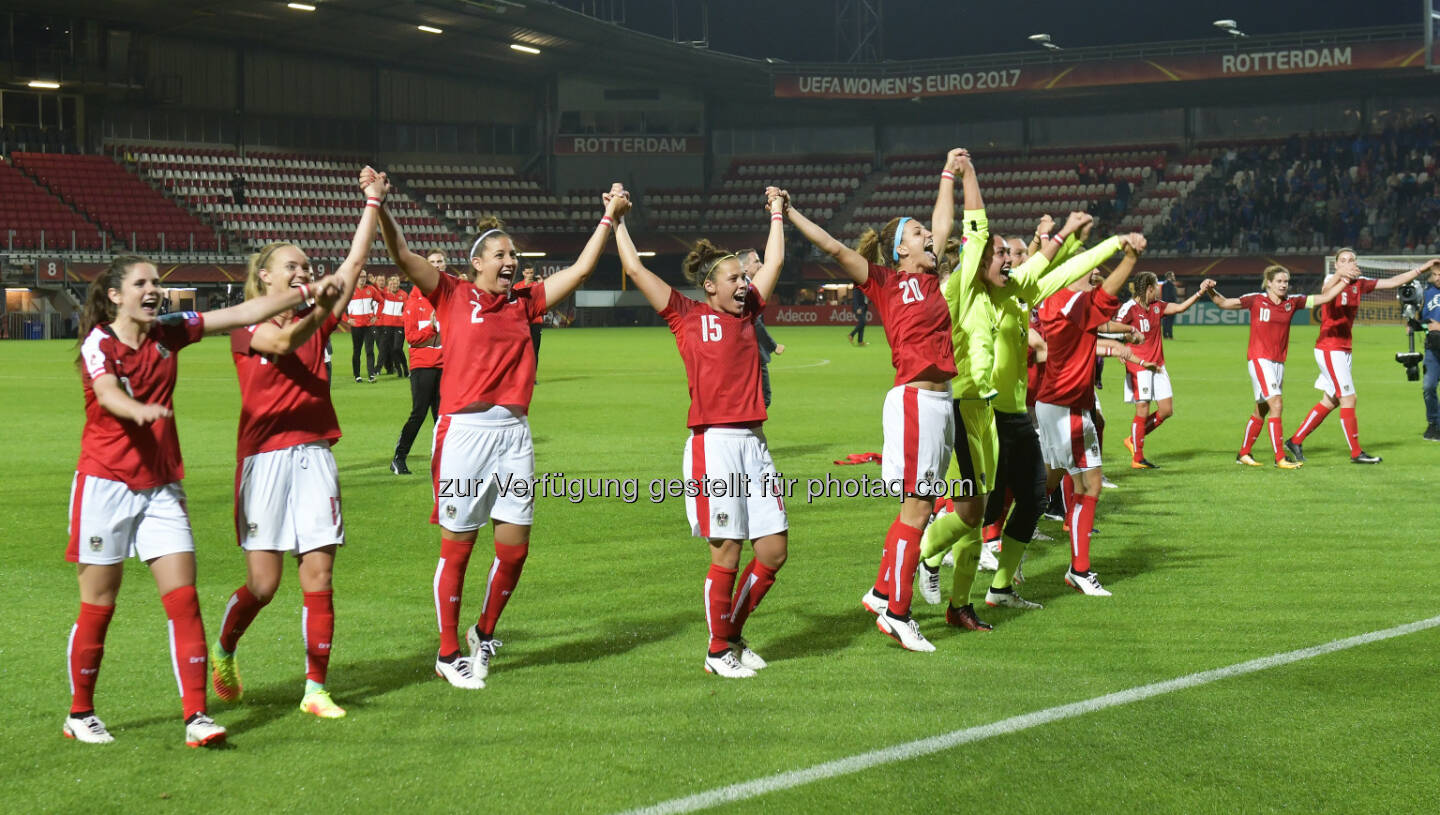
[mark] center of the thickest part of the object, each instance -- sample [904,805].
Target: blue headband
[899,233]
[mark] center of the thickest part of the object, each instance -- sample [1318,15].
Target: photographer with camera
[1430,319]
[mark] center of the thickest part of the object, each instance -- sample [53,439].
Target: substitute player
[1146,313]
[1333,355]
[287,487]
[126,498]
[483,440]
[1271,312]
[361,315]
[422,332]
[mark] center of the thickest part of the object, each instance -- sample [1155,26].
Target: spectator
[237,189]
[1169,293]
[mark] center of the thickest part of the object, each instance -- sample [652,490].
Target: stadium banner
[776,315]
[1359,56]
[1382,311]
[49,270]
[630,145]
[1203,313]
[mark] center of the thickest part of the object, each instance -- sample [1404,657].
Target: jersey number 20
[910,291]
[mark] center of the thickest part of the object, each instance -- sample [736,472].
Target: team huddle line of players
[993,343]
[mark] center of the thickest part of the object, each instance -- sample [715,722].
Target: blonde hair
[254,286]
[1271,271]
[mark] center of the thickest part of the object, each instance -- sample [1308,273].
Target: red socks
[719,583]
[1082,520]
[757,579]
[504,575]
[1352,430]
[1067,497]
[187,647]
[1316,416]
[87,646]
[1153,421]
[1137,436]
[1252,432]
[449,583]
[239,613]
[903,542]
[317,624]
[887,562]
[1277,437]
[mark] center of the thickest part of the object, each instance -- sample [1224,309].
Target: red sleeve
[416,332]
[754,304]
[1128,313]
[1247,300]
[182,329]
[240,340]
[442,291]
[1100,310]
[1297,301]
[875,282]
[675,311]
[97,356]
[534,301]
[1367,284]
[328,327]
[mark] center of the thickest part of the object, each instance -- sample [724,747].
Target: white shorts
[288,500]
[1068,440]
[482,467]
[1150,386]
[1334,370]
[1266,378]
[919,430]
[110,522]
[736,466]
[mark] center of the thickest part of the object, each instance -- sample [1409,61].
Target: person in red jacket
[390,337]
[530,278]
[422,332]
[361,316]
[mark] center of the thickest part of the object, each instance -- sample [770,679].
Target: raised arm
[1399,280]
[250,312]
[975,235]
[1184,305]
[656,291]
[377,189]
[1134,244]
[769,274]
[851,263]
[1220,300]
[942,218]
[1329,291]
[560,285]
[1041,276]
[421,273]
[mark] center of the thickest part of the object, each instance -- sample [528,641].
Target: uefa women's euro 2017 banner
[1040,76]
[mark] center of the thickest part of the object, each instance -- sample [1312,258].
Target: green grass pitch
[597,702]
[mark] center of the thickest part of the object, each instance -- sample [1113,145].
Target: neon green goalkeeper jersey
[974,319]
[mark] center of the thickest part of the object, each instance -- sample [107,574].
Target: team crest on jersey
[96,542]
[721,519]
[251,529]
[163,351]
[1288,307]
[450,511]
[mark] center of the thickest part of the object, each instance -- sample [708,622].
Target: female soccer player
[1146,314]
[716,338]
[422,331]
[126,498]
[1332,355]
[482,441]
[896,270]
[1270,314]
[287,487]
[361,315]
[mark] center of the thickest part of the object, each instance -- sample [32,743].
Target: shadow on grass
[616,638]
[822,633]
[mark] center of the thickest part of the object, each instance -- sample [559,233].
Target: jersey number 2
[910,291]
[709,328]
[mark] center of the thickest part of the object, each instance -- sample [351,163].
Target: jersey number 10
[1264,315]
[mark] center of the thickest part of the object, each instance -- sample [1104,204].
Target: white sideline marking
[955,738]
[806,365]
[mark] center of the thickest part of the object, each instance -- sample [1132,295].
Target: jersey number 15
[709,328]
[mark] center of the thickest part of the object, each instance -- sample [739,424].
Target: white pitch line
[806,365]
[955,738]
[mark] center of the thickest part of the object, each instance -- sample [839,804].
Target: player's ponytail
[254,286]
[1141,284]
[98,308]
[700,263]
[873,245]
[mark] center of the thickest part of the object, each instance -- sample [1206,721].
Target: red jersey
[539,319]
[284,399]
[392,309]
[363,306]
[1146,320]
[1270,324]
[917,323]
[1034,369]
[419,331]
[1069,319]
[1337,317]
[494,360]
[141,456]
[722,359]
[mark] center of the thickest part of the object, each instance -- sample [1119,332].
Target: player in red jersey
[483,463]
[896,269]
[390,336]
[1145,313]
[1332,355]
[361,315]
[1066,400]
[716,339]
[422,332]
[287,487]
[1270,314]
[126,498]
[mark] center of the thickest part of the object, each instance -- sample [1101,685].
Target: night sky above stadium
[804,30]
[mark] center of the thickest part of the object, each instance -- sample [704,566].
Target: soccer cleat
[459,673]
[224,676]
[988,561]
[319,703]
[1108,484]
[1287,464]
[1246,458]
[358,379]
[201,731]
[874,602]
[1432,433]
[1295,450]
[1129,445]
[481,649]
[1143,464]
[1040,536]
[372,378]
[1052,515]
[1087,583]
[964,617]
[1365,458]
[397,466]
[928,581]
[726,664]
[748,658]
[906,632]
[1008,599]
[87,728]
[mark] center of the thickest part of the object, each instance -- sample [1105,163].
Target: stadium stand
[464,193]
[824,183]
[33,219]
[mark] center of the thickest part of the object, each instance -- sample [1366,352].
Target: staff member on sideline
[530,278]
[360,314]
[1430,313]
[861,307]
[422,331]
